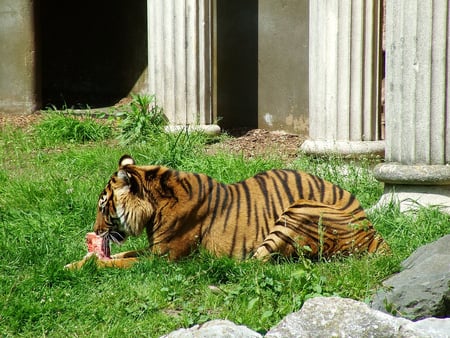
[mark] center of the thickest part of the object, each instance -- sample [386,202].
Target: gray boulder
[215,328]
[436,327]
[341,317]
[422,288]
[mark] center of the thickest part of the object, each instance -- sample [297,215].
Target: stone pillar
[417,167]
[344,77]
[179,59]
[19,89]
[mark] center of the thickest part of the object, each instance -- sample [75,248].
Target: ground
[256,142]
[250,143]
[19,120]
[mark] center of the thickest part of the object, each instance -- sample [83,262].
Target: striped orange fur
[277,211]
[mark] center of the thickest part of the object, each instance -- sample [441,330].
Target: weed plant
[48,196]
[140,120]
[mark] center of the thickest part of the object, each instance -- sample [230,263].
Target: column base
[413,186]
[346,148]
[412,197]
[208,129]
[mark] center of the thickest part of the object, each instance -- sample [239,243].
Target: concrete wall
[19,90]
[283,65]
[261,68]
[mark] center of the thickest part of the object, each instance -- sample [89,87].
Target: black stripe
[268,246]
[318,182]
[225,193]
[322,191]
[333,200]
[187,186]
[341,193]
[282,178]
[264,232]
[289,225]
[231,204]
[199,187]
[268,212]
[213,212]
[247,200]
[238,204]
[135,186]
[244,248]
[209,196]
[262,184]
[257,225]
[311,191]
[285,238]
[350,201]
[298,183]
[166,189]
[151,174]
[279,203]
[233,243]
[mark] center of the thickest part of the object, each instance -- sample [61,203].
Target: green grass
[58,127]
[49,185]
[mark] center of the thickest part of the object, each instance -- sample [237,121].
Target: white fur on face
[130,220]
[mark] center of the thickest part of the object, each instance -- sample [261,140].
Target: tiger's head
[123,209]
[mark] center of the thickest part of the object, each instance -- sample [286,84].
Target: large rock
[422,288]
[341,317]
[215,328]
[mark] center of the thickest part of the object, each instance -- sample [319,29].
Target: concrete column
[19,89]
[179,59]
[417,167]
[344,77]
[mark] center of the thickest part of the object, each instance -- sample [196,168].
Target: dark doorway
[92,53]
[237,63]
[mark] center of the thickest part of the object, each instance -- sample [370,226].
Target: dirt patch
[19,120]
[260,142]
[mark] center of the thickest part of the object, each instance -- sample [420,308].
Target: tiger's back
[278,211]
[241,216]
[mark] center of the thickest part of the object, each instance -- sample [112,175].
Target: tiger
[277,212]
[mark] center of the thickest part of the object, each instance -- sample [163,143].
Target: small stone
[215,328]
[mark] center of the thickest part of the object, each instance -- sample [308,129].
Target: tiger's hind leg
[319,230]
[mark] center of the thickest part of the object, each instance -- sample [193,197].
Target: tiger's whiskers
[116,237]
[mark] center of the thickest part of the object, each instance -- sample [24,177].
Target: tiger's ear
[124,175]
[126,160]
[131,184]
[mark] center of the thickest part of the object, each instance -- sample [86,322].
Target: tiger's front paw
[78,264]
[129,254]
[119,255]
[122,262]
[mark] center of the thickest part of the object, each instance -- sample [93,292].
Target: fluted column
[179,59]
[344,77]
[417,167]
